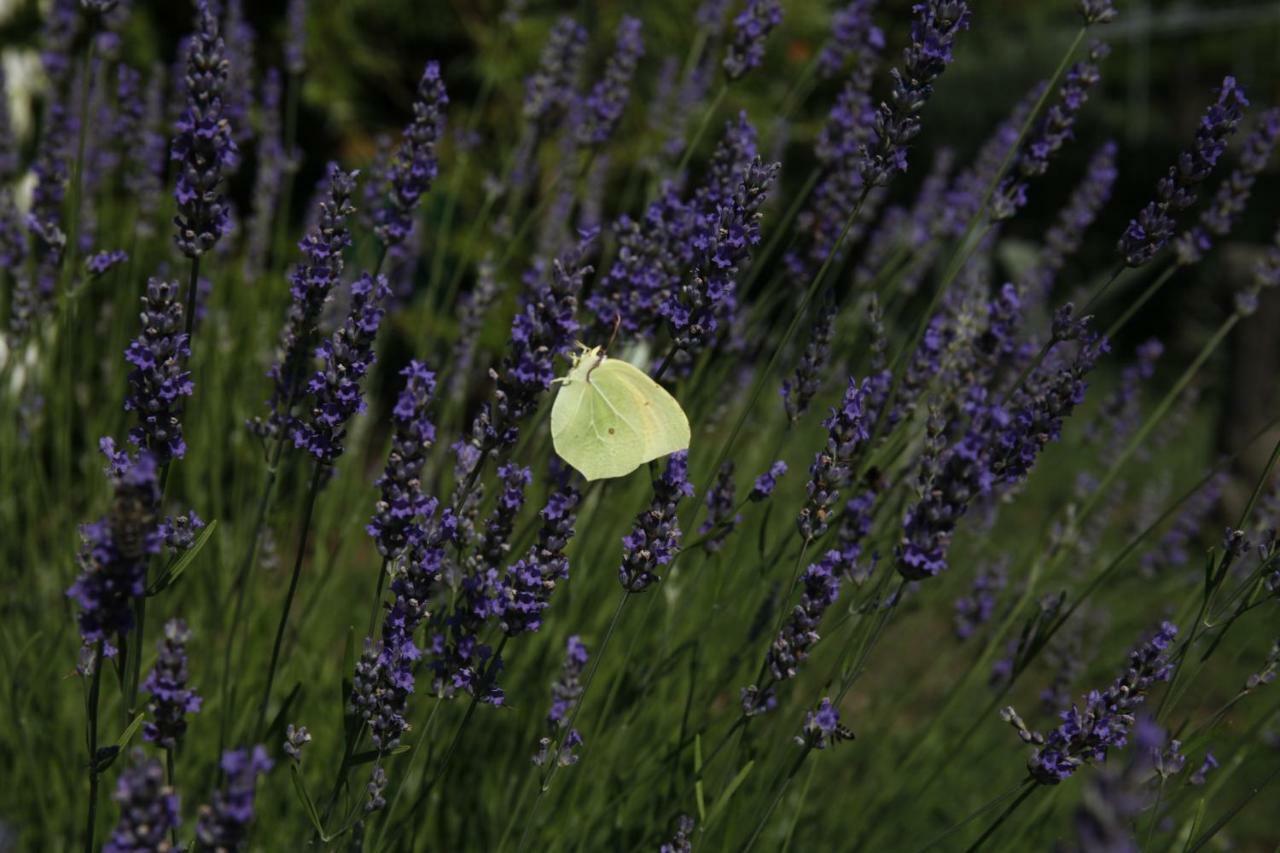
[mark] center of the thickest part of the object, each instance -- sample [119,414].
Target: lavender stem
[95,689]
[312,491]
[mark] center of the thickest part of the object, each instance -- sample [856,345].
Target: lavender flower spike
[525,590]
[310,284]
[847,428]
[767,482]
[604,105]
[116,548]
[565,693]
[933,32]
[159,381]
[345,357]
[1154,226]
[750,28]
[403,503]
[550,90]
[414,167]
[1087,733]
[171,698]
[1221,215]
[203,145]
[655,537]
[1097,11]
[148,808]
[295,45]
[224,823]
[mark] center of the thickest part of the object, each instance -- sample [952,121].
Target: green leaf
[130,731]
[697,771]
[727,795]
[275,731]
[170,575]
[312,812]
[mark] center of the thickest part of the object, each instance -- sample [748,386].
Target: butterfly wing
[594,434]
[654,413]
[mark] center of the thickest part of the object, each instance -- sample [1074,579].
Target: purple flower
[100,263]
[271,162]
[604,104]
[414,167]
[1206,767]
[853,33]
[1097,11]
[750,28]
[1104,719]
[798,391]
[850,126]
[45,217]
[1050,132]
[384,676]
[171,698]
[116,548]
[566,690]
[655,537]
[822,727]
[224,823]
[727,227]
[1065,236]
[976,608]
[820,585]
[159,381]
[1221,215]
[682,841]
[847,428]
[149,808]
[1266,275]
[295,43]
[403,503]
[61,25]
[525,590]
[238,94]
[722,518]
[1154,226]
[543,328]
[345,358]
[550,90]
[203,145]
[933,31]
[295,740]
[310,284]
[1118,417]
[767,482]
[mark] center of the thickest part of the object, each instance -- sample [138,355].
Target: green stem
[1137,304]
[95,690]
[312,491]
[1004,816]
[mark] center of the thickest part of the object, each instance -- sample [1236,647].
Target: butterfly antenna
[613,336]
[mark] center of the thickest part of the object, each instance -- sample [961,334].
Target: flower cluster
[335,387]
[414,166]
[764,485]
[976,608]
[524,592]
[655,537]
[682,841]
[1154,226]
[159,381]
[148,808]
[722,517]
[820,588]
[203,145]
[224,823]
[403,501]
[1050,133]
[853,32]
[115,550]
[1103,722]
[295,45]
[933,32]
[603,106]
[1067,232]
[310,284]
[750,28]
[798,391]
[565,693]
[171,698]
[847,428]
[822,727]
[550,91]
[1220,216]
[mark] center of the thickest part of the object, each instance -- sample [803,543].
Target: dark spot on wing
[610,430]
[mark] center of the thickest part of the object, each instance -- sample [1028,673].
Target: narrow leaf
[728,793]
